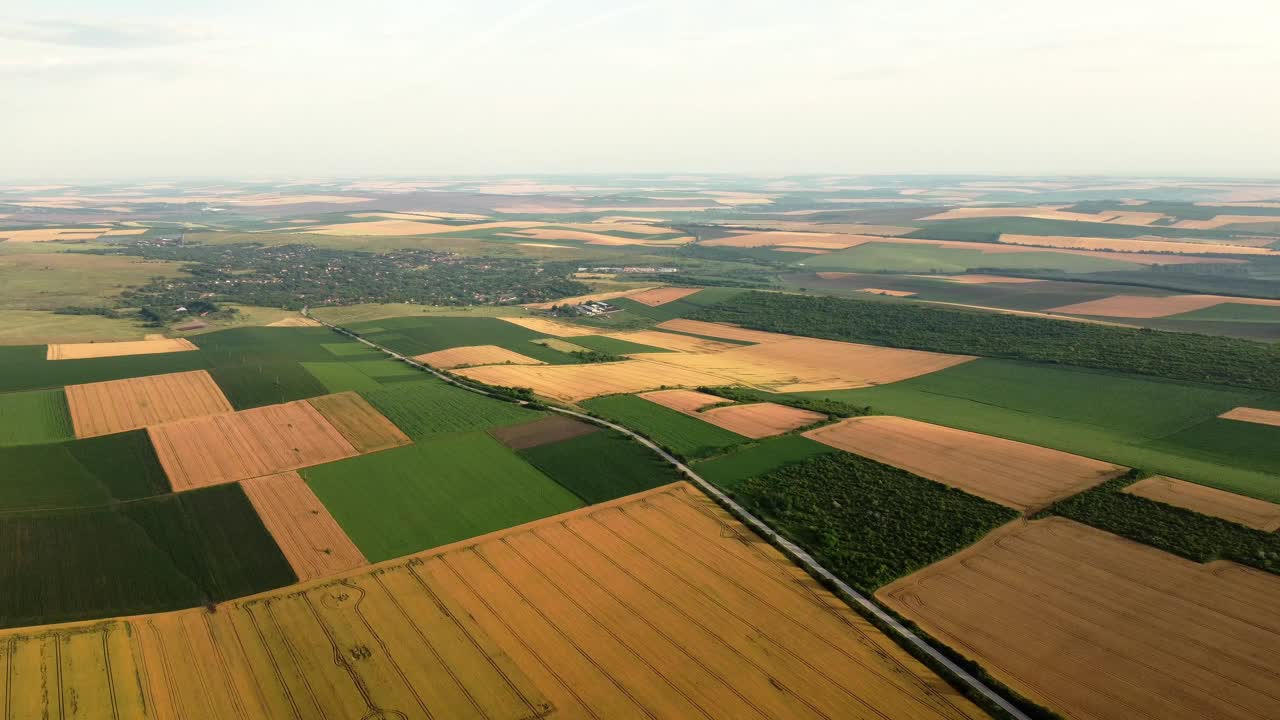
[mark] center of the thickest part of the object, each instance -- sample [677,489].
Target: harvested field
[605,612]
[1253,415]
[294,322]
[596,238]
[397,228]
[849,228]
[363,426]
[579,299]
[891,293]
[51,234]
[1247,511]
[572,383]
[806,251]
[673,341]
[1136,245]
[1098,627]
[311,540]
[77,351]
[114,406]
[722,330]
[760,420]
[552,327]
[980,279]
[1219,221]
[755,420]
[688,402]
[475,355]
[558,345]
[800,364]
[662,296]
[542,431]
[1050,213]
[1139,306]
[816,240]
[1014,474]
[239,445]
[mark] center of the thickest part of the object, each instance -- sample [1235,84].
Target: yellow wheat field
[1253,415]
[362,425]
[658,605]
[552,327]
[1255,513]
[672,341]
[1136,245]
[572,383]
[151,346]
[579,299]
[114,406]
[311,540]
[475,355]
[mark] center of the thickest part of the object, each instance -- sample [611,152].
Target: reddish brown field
[363,426]
[114,406]
[1252,512]
[236,446]
[1097,627]
[1011,473]
[542,431]
[312,541]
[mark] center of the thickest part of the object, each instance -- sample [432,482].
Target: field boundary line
[793,551]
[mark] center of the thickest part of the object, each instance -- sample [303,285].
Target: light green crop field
[1162,426]
[678,432]
[729,470]
[36,416]
[430,407]
[891,257]
[434,492]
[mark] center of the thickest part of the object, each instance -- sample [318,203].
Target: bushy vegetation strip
[869,522]
[1173,529]
[1176,356]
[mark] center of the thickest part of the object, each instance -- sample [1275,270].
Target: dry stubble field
[753,420]
[239,445]
[475,355]
[114,406]
[1137,306]
[659,605]
[1098,627]
[1253,415]
[1254,513]
[1014,474]
[78,351]
[312,541]
[362,425]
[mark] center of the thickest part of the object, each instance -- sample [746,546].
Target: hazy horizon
[236,89]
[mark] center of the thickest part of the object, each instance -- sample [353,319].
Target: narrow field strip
[312,541]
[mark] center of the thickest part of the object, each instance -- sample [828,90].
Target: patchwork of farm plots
[601,613]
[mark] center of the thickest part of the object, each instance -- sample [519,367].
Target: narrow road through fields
[759,526]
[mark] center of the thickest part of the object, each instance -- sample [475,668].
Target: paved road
[795,551]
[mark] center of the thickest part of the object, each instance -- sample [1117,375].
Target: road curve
[794,551]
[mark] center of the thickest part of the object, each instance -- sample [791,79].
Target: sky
[91,90]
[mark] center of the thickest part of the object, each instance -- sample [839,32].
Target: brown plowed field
[114,406]
[662,296]
[542,431]
[1253,415]
[240,445]
[754,420]
[475,355]
[1252,512]
[673,341]
[760,420]
[659,605]
[1102,628]
[552,327]
[1011,473]
[1131,245]
[799,364]
[307,534]
[363,426]
[722,330]
[1138,306]
[78,351]
[572,383]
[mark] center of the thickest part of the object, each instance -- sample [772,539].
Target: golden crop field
[656,605]
[816,240]
[1253,415]
[1097,627]
[1011,473]
[312,541]
[555,327]
[77,351]
[662,296]
[688,402]
[1131,245]
[362,425]
[1260,514]
[239,445]
[475,355]
[1140,306]
[114,406]
[572,383]
[753,420]
[891,293]
[672,341]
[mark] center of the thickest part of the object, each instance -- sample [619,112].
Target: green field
[601,466]
[361,374]
[26,369]
[431,407]
[892,257]
[1233,312]
[679,433]
[419,335]
[250,386]
[434,492]
[151,555]
[36,416]
[870,523]
[677,308]
[79,473]
[1162,426]
[614,346]
[730,470]
[990,228]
